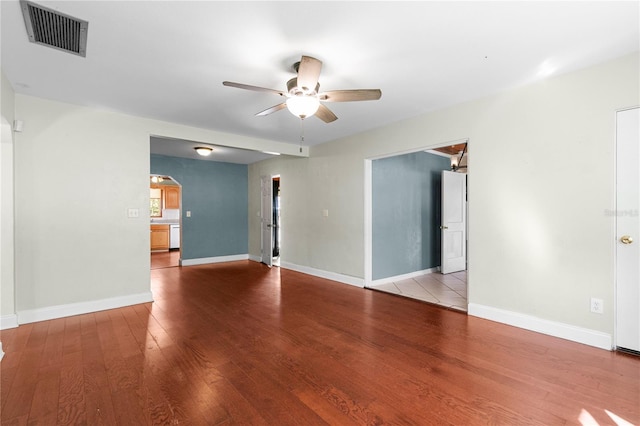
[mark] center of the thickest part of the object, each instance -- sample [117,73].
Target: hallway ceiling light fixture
[205,151]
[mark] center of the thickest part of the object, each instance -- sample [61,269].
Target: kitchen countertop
[164,222]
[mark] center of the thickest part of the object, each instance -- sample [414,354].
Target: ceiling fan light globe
[303,106]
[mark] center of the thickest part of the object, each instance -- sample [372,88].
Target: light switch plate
[133,213]
[188,213]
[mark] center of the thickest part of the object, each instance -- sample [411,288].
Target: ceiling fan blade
[272,109]
[325,114]
[308,73]
[351,95]
[254,88]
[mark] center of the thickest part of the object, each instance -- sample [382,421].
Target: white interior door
[454,219]
[267,218]
[628,229]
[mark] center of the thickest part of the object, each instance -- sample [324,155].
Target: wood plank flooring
[165,259]
[239,343]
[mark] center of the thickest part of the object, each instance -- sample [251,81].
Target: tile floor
[446,290]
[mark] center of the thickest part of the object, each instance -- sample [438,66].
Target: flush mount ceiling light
[204,150]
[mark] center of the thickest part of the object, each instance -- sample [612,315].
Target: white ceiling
[167,59]
[187,149]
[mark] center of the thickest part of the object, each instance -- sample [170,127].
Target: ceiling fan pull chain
[301,133]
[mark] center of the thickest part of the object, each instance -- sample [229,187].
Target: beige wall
[7,112]
[541,178]
[307,187]
[77,172]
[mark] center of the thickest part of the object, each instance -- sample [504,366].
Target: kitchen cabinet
[171,197]
[159,237]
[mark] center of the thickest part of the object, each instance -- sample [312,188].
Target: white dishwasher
[174,236]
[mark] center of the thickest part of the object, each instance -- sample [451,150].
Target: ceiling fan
[303,96]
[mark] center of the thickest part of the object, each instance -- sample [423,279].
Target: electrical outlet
[597,305]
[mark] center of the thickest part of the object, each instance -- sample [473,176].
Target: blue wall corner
[406,213]
[217,195]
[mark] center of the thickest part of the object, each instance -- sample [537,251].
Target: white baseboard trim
[217,259]
[345,279]
[1,352]
[255,258]
[404,276]
[8,321]
[552,328]
[61,311]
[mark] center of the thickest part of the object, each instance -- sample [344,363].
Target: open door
[275,225]
[267,220]
[454,222]
[628,230]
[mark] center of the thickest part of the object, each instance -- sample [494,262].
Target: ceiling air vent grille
[54,29]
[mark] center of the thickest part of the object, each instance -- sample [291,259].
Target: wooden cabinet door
[171,197]
[159,237]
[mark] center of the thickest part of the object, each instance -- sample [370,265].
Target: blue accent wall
[217,196]
[406,213]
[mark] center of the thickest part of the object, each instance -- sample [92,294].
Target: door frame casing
[368,205]
[265,218]
[275,261]
[179,208]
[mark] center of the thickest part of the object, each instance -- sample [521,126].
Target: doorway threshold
[449,291]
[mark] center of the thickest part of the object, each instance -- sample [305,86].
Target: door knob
[626,239]
[444,227]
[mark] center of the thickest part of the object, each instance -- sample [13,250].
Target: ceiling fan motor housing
[294,90]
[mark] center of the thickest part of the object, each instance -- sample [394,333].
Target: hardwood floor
[165,259]
[239,343]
